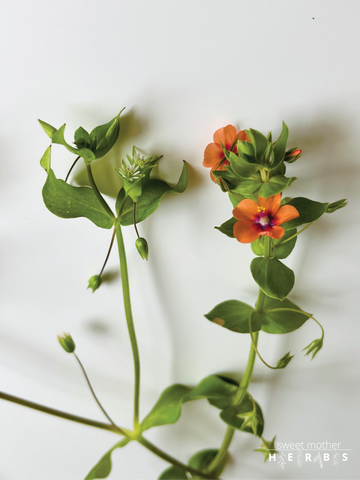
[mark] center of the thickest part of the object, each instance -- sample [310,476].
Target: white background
[182,69]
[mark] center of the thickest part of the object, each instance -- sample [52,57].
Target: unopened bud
[48,129]
[142,247]
[94,282]
[284,361]
[292,155]
[67,343]
[332,207]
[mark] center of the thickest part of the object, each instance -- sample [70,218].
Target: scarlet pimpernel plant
[250,168]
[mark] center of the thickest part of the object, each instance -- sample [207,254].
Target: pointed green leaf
[267,448]
[280,145]
[278,317]
[82,138]
[247,186]
[167,410]
[245,417]
[259,142]
[173,473]
[234,316]
[104,136]
[201,460]
[67,201]
[48,129]
[227,228]
[308,209]
[45,161]
[240,166]
[103,468]
[273,277]
[150,198]
[275,185]
[59,138]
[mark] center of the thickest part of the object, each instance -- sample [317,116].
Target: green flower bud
[95,282]
[314,347]
[142,247]
[332,207]
[284,361]
[67,343]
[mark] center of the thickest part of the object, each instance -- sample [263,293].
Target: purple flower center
[263,221]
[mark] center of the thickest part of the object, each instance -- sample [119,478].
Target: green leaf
[133,189]
[67,201]
[227,227]
[273,277]
[150,199]
[240,166]
[246,417]
[247,186]
[58,137]
[282,320]
[201,460]
[167,410]
[103,468]
[173,473]
[280,145]
[45,161]
[259,142]
[48,129]
[82,138]
[234,316]
[280,251]
[308,209]
[104,136]
[235,200]
[275,185]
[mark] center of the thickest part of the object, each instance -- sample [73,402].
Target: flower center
[263,220]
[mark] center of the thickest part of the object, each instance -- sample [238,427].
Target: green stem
[238,398]
[293,236]
[108,253]
[120,430]
[57,413]
[168,458]
[98,194]
[129,321]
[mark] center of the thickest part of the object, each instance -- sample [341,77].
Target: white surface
[183,69]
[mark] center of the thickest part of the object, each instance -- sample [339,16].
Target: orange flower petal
[276,232]
[285,214]
[246,232]
[243,136]
[226,136]
[213,155]
[271,204]
[246,210]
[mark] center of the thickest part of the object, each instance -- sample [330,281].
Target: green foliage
[286,318]
[284,360]
[149,200]
[279,147]
[332,207]
[275,185]
[259,142]
[167,410]
[242,166]
[45,161]
[246,417]
[89,146]
[103,468]
[227,228]
[66,201]
[201,460]
[248,186]
[280,250]
[273,277]
[309,211]
[173,473]
[267,448]
[234,316]
[314,347]
[94,282]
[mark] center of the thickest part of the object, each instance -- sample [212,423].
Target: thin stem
[252,336]
[58,413]
[129,321]
[72,166]
[134,220]
[108,254]
[168,458]
[97,192]
[238,398]
[120,430]
[295,235]
[299,311]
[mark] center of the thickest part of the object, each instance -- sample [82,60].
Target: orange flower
[261,218]
[214,154]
